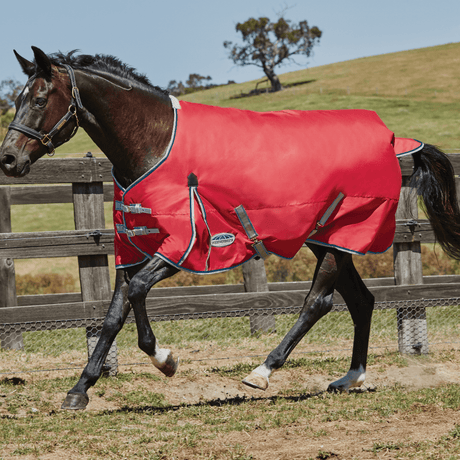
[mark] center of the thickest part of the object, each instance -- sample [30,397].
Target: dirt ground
[346,440]
[198,385]
[194,383]
[350,440]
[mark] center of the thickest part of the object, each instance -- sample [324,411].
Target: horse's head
[45,114]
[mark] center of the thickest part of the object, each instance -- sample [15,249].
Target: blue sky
[168,40]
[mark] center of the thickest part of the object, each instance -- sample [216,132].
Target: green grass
[78,146]
[421,74]
[431,121]
[334,331]
[49,217]
[416,93]
[226,331]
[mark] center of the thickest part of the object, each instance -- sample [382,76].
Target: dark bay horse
[134,124]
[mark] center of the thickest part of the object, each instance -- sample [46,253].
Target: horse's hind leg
[77,397]
[317,304]
[360,303]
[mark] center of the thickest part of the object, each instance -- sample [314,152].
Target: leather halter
[46,139]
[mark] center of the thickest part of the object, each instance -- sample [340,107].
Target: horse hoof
[255,380]
[75,401]
[354,379]
[337,389]
[163,360]
[169,367]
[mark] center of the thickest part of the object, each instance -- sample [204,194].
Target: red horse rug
[235,184]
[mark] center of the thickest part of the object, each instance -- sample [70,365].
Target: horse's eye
[40,102]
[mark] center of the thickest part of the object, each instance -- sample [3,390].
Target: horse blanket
[234,184]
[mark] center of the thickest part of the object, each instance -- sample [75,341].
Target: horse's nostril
[8,160]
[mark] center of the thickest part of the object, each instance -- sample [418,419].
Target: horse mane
[105,63]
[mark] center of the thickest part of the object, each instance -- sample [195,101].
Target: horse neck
[131,123]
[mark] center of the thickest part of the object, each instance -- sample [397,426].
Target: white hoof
[258,378]
[354,379]
[163,360]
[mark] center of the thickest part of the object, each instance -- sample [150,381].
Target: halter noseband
[46,139]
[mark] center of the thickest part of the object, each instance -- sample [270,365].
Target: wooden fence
[87,183]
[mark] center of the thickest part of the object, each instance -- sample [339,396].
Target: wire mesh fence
[416,327]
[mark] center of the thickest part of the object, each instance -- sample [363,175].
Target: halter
[46,139]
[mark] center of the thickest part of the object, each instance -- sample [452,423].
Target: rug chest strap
[136,231]
[135,208]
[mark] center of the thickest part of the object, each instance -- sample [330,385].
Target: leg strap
[251,232]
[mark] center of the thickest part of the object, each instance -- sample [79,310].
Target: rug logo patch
[222,239]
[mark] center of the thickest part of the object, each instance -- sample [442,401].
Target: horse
[171,213]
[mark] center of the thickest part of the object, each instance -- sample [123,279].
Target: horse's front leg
[77,397]
[139,286]
[317,304]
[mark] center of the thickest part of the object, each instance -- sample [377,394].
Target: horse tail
[434,181]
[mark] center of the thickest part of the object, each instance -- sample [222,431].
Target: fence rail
[87,184]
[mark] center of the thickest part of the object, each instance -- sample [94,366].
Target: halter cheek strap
[47,139]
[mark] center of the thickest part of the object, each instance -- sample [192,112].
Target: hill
[421,74]
[416,93]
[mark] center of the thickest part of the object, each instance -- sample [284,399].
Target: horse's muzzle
[11,167]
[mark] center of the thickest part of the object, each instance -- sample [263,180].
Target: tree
[194,83]
[176,88]
[267,44]
[9,91]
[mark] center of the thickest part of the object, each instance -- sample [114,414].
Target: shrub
[5,120]
[44,283]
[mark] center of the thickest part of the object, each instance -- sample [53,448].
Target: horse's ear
[42,60]
[27,66]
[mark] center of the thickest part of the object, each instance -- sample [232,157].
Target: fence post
[12,340]
[255,280]
[88,200]
[412,326]
[457,185]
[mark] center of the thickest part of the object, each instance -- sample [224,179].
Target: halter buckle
[45,140]
[75,93]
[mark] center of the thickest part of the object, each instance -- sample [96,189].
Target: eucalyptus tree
[268,44]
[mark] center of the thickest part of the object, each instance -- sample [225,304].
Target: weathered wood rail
[86,183]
